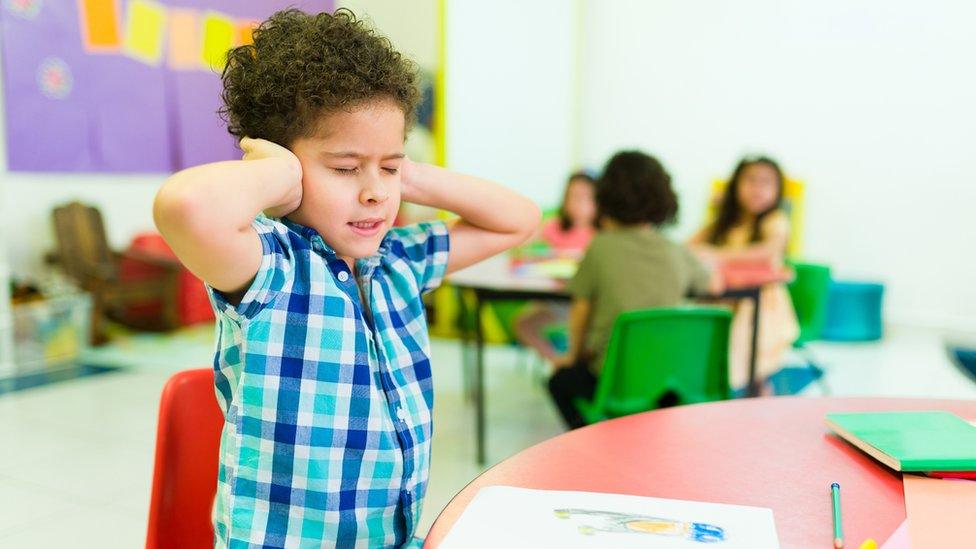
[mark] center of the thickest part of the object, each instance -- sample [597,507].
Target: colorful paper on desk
[940,512]
[503,516]
[559,268]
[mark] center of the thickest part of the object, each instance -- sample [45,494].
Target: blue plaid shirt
[327,405]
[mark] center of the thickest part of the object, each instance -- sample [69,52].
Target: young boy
[628,266]
[322,366]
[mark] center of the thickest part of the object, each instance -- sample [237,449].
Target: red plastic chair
[185,475]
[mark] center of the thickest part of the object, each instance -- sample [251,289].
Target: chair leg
[818,373]
[522,358]
[467,370]
[98,336]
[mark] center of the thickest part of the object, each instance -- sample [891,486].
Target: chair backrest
[83,248]
[185,474]
[809,291]
[682,351]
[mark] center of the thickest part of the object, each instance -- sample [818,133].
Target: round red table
[764,452]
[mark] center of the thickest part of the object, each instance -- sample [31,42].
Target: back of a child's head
[635,189]
[303,67]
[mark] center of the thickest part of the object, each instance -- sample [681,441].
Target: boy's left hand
[409,191]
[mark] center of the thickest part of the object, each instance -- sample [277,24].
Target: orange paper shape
[99,22]
[184,40]
[940,511]
[245,32]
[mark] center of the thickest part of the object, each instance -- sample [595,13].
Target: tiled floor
[76,457]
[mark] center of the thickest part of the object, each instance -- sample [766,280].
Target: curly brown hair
[303,67]
[635,188]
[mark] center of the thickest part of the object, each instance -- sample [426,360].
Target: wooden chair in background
[84,254]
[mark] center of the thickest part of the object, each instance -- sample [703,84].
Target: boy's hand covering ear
[408,186]
[259,149]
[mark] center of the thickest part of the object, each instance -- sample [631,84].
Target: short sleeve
[776,226]
[277,266]
[583,284]
[700,276]
[424,249]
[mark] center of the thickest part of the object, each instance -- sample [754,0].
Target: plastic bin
[51,332]
[854,311]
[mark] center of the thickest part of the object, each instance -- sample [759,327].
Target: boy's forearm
[225,195]
[477,201]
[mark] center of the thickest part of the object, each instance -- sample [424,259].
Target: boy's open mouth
[366,227]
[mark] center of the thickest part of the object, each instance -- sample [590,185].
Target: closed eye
[392,171]
[345,171]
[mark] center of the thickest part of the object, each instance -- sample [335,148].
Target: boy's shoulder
[423,238]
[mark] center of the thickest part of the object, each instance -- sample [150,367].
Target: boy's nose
[374,193]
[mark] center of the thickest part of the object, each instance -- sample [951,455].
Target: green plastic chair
[655,354]
[808,291]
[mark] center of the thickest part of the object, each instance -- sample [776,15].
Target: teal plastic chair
[657,355]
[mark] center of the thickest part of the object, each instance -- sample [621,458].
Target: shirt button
[401,413]
[343,276]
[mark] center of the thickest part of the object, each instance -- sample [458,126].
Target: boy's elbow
[533,219]
[174,208]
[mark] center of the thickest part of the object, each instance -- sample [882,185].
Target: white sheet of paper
[502,516]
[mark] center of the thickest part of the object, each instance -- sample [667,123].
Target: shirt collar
[365,264]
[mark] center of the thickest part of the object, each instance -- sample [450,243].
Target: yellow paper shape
[219,32]
[144,28]
[99,21]
[245,32]
[184,40]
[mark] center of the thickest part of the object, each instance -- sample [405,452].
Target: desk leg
[467,337]
[479,380]
[753,350]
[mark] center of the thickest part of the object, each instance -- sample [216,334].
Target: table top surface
[764,452]
[497,274]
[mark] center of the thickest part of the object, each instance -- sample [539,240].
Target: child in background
[568,235]
[752,227]
[571,231]
[629,265]
[322,367]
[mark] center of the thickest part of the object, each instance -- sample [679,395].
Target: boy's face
[351,177]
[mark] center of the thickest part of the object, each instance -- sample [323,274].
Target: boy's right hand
[258,149]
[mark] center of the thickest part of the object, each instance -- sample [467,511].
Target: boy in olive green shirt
[628,266]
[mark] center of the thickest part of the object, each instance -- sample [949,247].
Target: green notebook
[911,441]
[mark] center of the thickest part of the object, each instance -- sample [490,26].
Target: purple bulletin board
[120,85]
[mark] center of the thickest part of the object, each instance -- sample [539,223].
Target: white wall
[509,92]
[871,103]
[410,26]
